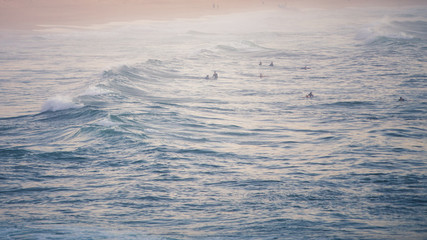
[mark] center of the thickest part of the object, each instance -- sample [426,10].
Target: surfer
[310,95]
[271,64]
[207,77]
[306,68]
[215,75]
[260,63]
[401,99]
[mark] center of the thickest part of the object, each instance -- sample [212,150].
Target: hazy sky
[29,13]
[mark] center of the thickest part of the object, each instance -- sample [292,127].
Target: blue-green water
[112,132]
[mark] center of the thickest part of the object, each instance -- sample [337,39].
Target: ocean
[111,131]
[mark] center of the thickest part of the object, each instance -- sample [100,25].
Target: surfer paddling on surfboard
[215,75]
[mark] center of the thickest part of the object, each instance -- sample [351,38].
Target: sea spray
[59,103]
[94,91]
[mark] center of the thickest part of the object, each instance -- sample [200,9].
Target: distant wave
[242,46]
[417,29]
[199,33]
[386,29]
[227,48]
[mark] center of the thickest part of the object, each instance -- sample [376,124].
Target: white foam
[381,28]
[94,91]
[59,103]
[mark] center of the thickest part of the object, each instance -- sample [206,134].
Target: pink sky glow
[24,14]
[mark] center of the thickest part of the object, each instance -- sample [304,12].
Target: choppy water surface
[112,132]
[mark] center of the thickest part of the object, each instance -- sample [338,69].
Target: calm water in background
[112,132]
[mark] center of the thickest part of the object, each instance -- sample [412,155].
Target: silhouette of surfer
[260,63]
[401,99]
[310,95]
[215,75]
[271,64]
[207,77]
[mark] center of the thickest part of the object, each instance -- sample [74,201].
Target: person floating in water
[271,64]
[207,77]
[260,63]
[310,95]
[401,99]
[306,68]
[215,75]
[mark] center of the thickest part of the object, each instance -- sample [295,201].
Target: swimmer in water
[215,75]
[207,77]
[401,99]
[271,64]
[310,95]
[306,68]
[260,63]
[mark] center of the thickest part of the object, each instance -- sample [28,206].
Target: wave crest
[384,29]
[59,103]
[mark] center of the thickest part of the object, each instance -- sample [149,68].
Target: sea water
[112,131]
